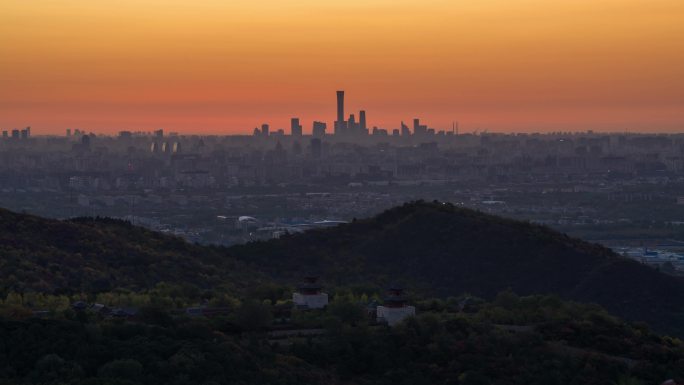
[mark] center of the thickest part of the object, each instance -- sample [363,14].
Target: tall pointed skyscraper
[340,124]
[362,121]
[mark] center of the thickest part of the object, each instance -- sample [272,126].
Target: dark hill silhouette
[98,254]
[434,248]
[446,250]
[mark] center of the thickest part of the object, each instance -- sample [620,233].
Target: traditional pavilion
[309,295]
[395,307]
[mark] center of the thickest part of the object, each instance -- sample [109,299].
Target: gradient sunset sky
[210,66]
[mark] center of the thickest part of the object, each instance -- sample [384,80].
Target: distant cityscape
[622,189]
[349,129]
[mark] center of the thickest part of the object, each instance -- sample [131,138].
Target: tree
[346,311]
[52,368]
[252,315]
[125,369]
[155,315]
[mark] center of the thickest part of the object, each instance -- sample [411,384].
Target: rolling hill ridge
[447,250]
[433,248]
[101,254]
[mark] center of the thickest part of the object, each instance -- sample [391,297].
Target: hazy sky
[225,66]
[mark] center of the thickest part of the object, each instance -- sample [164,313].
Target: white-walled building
[394,309]
[309,295]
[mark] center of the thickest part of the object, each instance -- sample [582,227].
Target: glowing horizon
[220,67]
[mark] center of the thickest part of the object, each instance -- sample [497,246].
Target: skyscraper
[264,129]
[340,124]
[405,130]
[419,129]
[340,106]
[362,121]
[295,127]
[318,129]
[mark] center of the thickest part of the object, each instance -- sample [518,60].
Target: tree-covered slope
[511,340]
[435,248]
[446,250]
[90,255]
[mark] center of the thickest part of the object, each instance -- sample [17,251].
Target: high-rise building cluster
[351,127]
[17,134]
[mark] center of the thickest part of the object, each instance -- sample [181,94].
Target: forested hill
[448,250]
[434,248]
[92,255]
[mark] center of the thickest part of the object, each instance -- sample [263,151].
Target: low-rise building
[395,307]
[309,295]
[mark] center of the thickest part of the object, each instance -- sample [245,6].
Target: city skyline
[352,126]
[216,68]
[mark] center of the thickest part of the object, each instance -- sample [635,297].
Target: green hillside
[512,340]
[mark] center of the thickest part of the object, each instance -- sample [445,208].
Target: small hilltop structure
[309,294]
[395,307]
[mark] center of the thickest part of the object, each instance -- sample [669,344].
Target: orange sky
[225,66]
